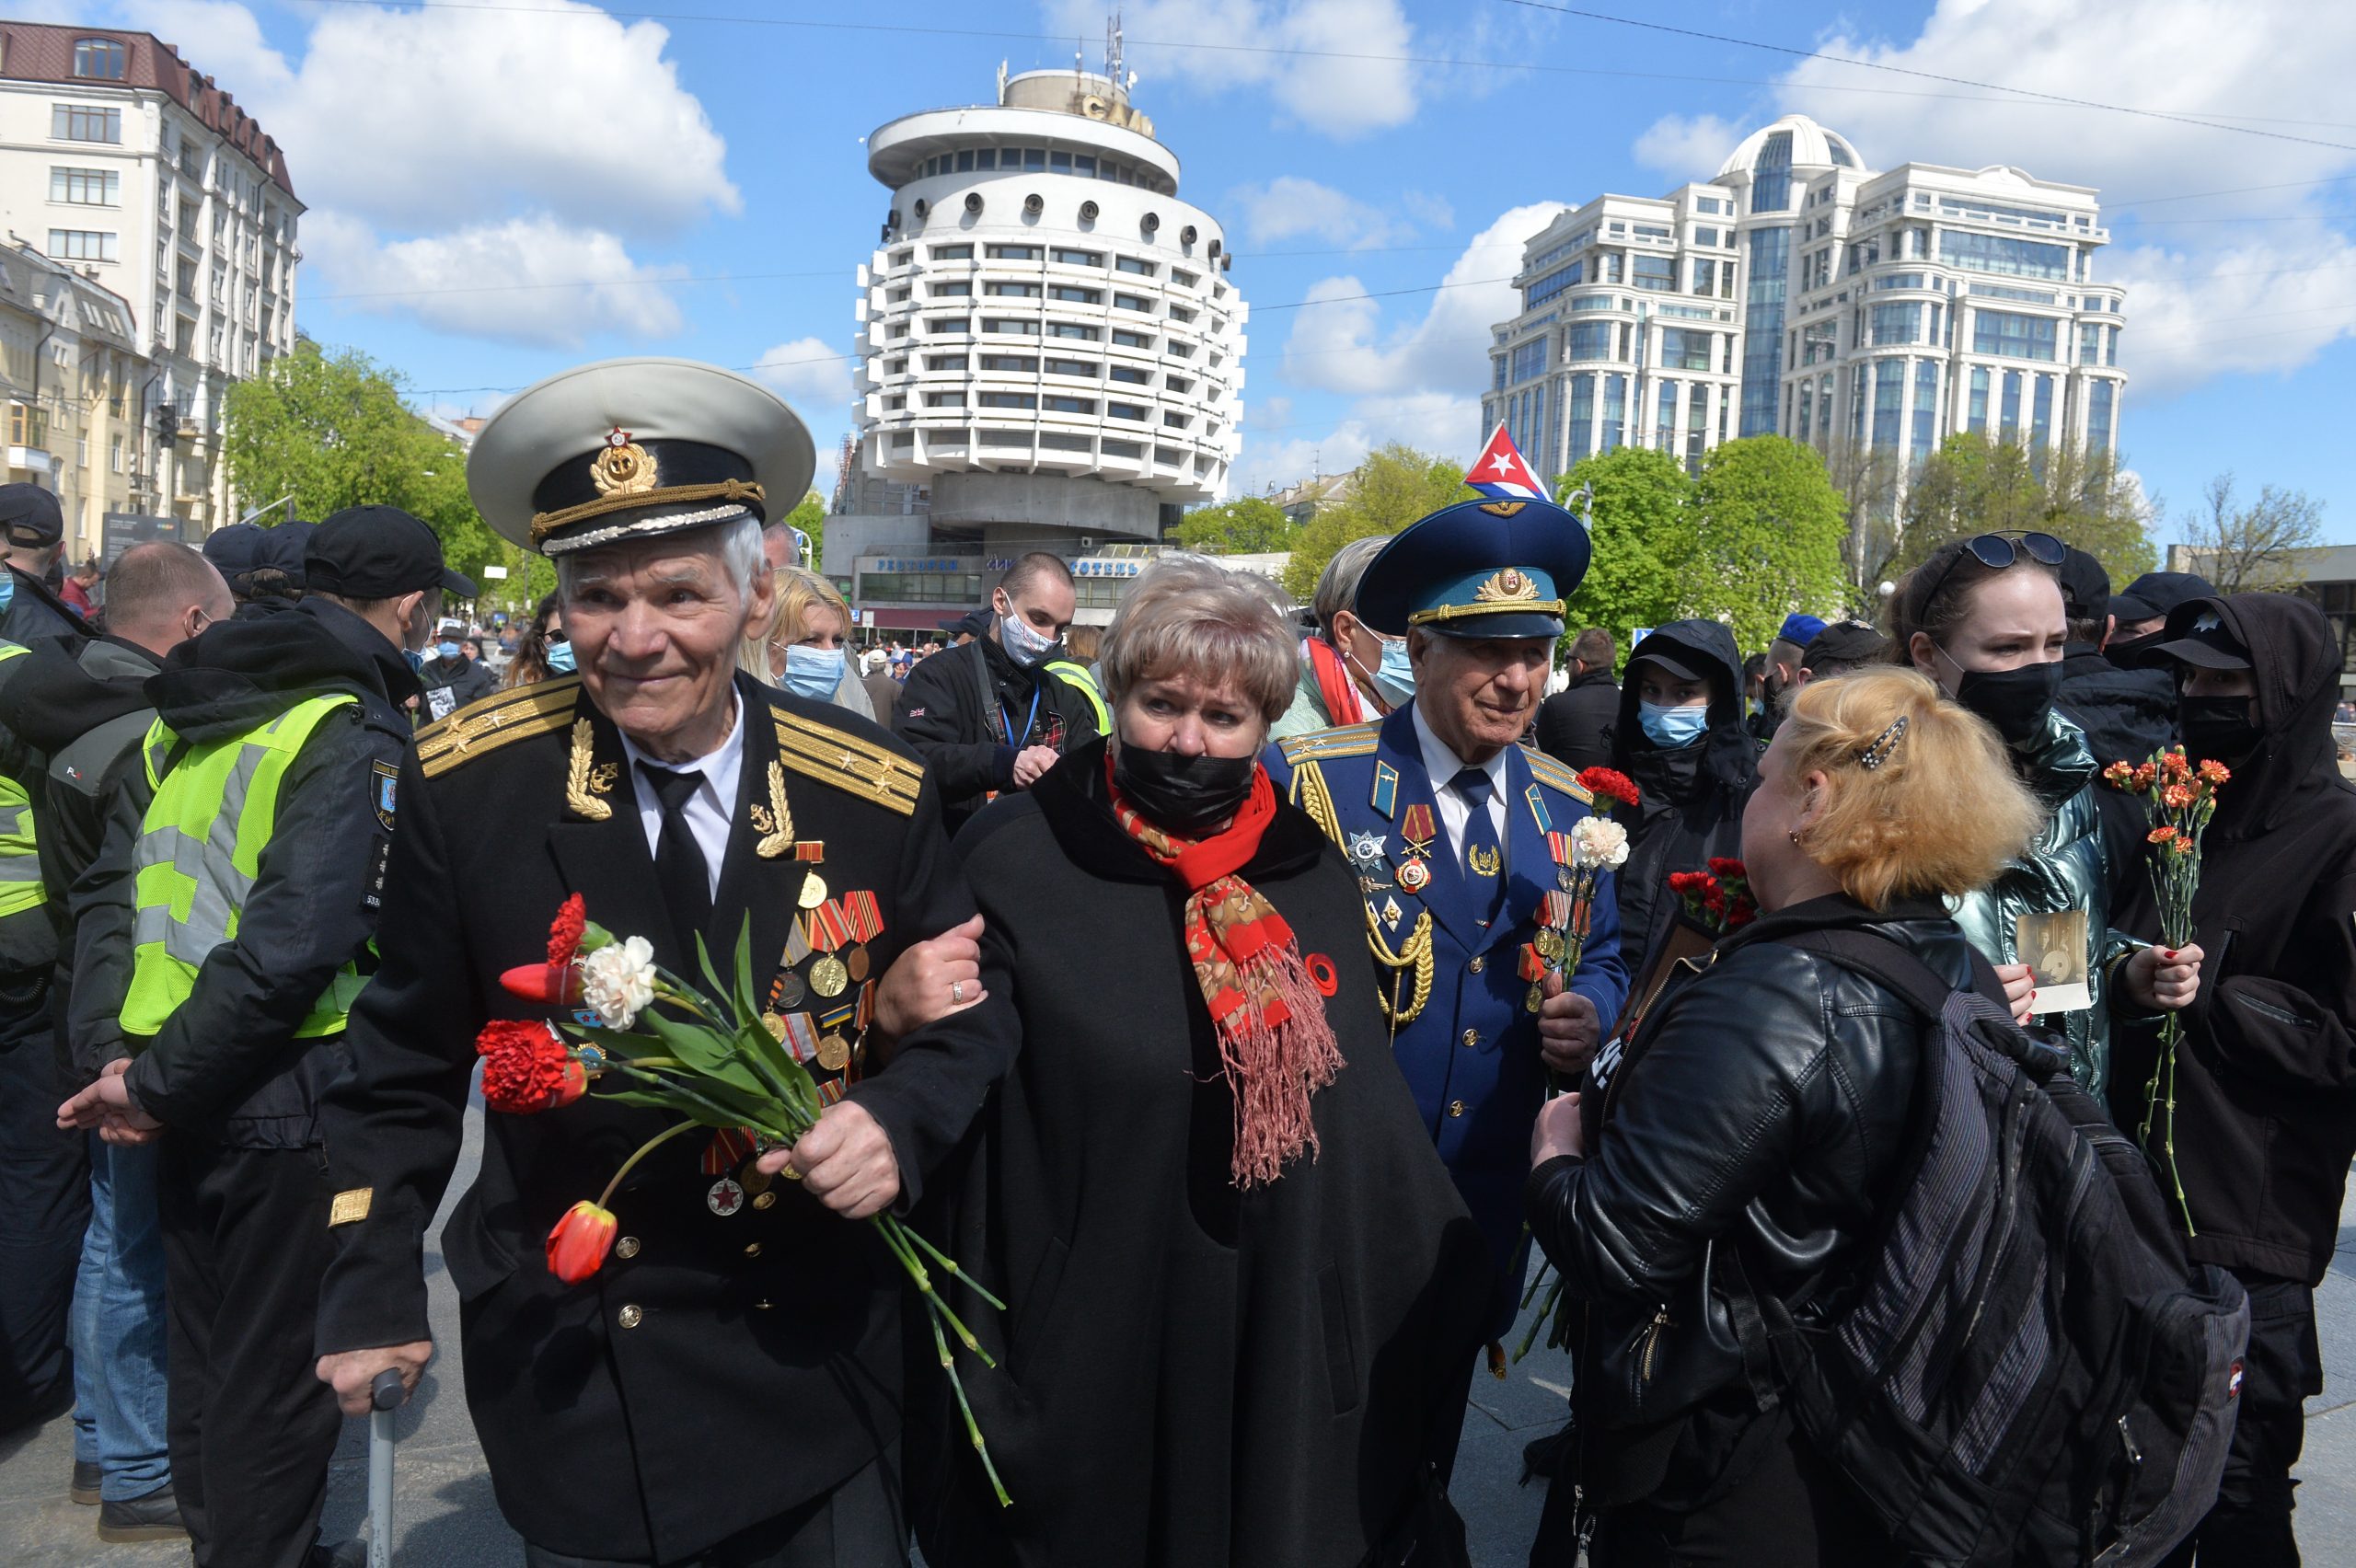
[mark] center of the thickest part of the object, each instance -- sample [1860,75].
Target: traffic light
[168,425]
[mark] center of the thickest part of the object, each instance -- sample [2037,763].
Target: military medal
[1366,851]
[775,1024]
[801,1037]
[755,1180]
[725,1196]
[1414,875]
[1417,828]
[1391,912]
[791,992]
[862,921]
[828,976]
[1550,944]
[833,1052]
[813,890]
[857,963]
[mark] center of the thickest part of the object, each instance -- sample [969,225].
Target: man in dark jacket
[2264,1080]
[1575,724]
[2127,714]
[451,679]
[1694,775]
[986,717]
[284,735]
[32,533]
[84,706]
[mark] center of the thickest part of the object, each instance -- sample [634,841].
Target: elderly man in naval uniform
[725,1389]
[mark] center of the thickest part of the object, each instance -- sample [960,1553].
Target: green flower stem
[649,1146]
[972,1427]
[948,1265]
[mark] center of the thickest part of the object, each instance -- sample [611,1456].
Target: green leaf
[706,1050]
[712,989]
[748,1006]
[654,1101]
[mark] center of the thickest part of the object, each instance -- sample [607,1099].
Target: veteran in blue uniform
[1460,839]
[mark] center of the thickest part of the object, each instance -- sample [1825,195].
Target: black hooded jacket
[1693,796]
[2127,714]
[226,1063]
[2265,1075]
[36,614]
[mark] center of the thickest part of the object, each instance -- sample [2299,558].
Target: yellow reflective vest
[20,884]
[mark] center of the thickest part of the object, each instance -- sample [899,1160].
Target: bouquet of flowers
[1595,845]
[1717,899]
[708,1057]
[2179,798]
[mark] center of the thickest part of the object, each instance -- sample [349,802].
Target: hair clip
[1875,754]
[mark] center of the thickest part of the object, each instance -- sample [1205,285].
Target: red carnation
[527,1068]
[564,932]
[1607,785]
[1725,866]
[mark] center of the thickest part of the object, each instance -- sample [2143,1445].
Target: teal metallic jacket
[2064,868]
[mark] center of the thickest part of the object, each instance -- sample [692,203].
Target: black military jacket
[739,1351]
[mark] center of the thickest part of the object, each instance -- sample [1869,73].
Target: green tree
[1248,525]
[1971,485]
[1394,487]
[1767,534]
[810,517]
[1641,534]
[328,430]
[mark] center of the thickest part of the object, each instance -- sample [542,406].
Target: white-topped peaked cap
[634,448]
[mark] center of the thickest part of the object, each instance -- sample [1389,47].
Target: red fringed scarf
[1344,703]
[1274,1040]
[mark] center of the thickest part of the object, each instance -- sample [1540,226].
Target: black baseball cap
[1671,657]
[2085,586]
[237,548]
[1845,643]
[377,552]
[29,515]
[2196,634]
[2157,593]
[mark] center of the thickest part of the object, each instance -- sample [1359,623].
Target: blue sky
[499,190]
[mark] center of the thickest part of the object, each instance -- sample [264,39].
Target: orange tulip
[578,1244]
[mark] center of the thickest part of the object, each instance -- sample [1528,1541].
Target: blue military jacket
[1469,1050]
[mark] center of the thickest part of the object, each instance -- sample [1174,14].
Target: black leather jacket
[1769,1093]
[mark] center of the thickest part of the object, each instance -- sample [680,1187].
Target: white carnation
[1599,842]
[618,981]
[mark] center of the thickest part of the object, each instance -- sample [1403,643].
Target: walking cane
[385,1396]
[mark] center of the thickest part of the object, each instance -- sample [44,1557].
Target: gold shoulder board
[1554,776]
[875,774]
[1350,740]
[496,720]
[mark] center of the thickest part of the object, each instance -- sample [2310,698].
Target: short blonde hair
[1222,626]
[799,591]
[1939,815]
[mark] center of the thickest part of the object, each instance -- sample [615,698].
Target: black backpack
[2031,1373]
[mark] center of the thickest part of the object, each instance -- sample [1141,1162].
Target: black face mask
[2014,701]
[1183,795]
[2223,728]
[2123,652]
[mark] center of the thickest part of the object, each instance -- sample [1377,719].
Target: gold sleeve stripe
[1554,775]
[473,732]
[351,1206]
[857,766]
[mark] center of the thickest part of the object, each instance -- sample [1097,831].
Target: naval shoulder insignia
[482,727]
[1554,776]
[872,772]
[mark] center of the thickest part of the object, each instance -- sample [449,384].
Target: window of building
[2110,353]
[942,324]
[1652,271]
[1071,258]
[1006,400]
[1665,417]
[1589,341]
[1132,264]
[902,258]
[1705,276]
[2010,425]
[1129,339]
[1013,252]
[1528,359]
[1552,283]
[2003,254]
[1682,347]
[1807,408]
[1088,368]
[1180,313]
[1897,323]
[82,245]
[2010,336]
[72,122]
[1011,291]
[1927,408]
[1132,373]
[944,399]
[1132,302]
[1582,416]
[27,426]
[2098,414]
[1615,411]
[1182,279]
[1035,159]
[1125,411]
[953,253]
[85,187]
[934,361]
[985,158]
[1074,329]
[1178,384]
[1708,237]
[2041,420]
[1023,365]
[1651,231]
[1068,405]
[101,59]
[1072,294]
[1009,325]
[1175,349]
[960,290]
[1175,422]
[1697,424]
[895,296]
[1979,408]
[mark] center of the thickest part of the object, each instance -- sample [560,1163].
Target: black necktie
[1484,860]
[680,870]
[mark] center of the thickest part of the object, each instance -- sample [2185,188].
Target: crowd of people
[1238,994]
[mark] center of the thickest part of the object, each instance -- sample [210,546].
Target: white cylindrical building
[1047,337]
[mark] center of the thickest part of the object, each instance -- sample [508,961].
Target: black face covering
[2014,701]
[2223,728]
[2123,652]
[1184,795]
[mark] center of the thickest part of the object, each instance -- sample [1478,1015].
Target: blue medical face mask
[416,660]
[445,650]
[1673,729]
[812,672]
[1395,676]
[7,588]
[561,659]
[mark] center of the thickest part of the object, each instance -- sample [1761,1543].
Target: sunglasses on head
[1996,551]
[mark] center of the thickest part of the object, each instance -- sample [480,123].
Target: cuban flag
[1501,472]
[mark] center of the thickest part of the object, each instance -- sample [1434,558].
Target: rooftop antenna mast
[1112,58]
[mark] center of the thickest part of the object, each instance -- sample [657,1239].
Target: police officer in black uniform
[725,1388]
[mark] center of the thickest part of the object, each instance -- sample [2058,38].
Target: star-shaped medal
[1366,849]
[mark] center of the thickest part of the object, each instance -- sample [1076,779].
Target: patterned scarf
[1273,1041]
[1335,687]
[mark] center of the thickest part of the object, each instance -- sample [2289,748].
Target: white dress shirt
[709,808]
[1441,764]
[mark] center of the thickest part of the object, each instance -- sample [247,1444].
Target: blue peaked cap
[1478,569]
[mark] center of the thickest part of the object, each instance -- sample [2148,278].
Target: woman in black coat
[1765,1097]
[1243,1296]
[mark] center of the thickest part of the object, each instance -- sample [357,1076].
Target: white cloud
[2233,260]
[810,373]
[1289,207]
[533,280]
[1339,90]
[1337,343]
